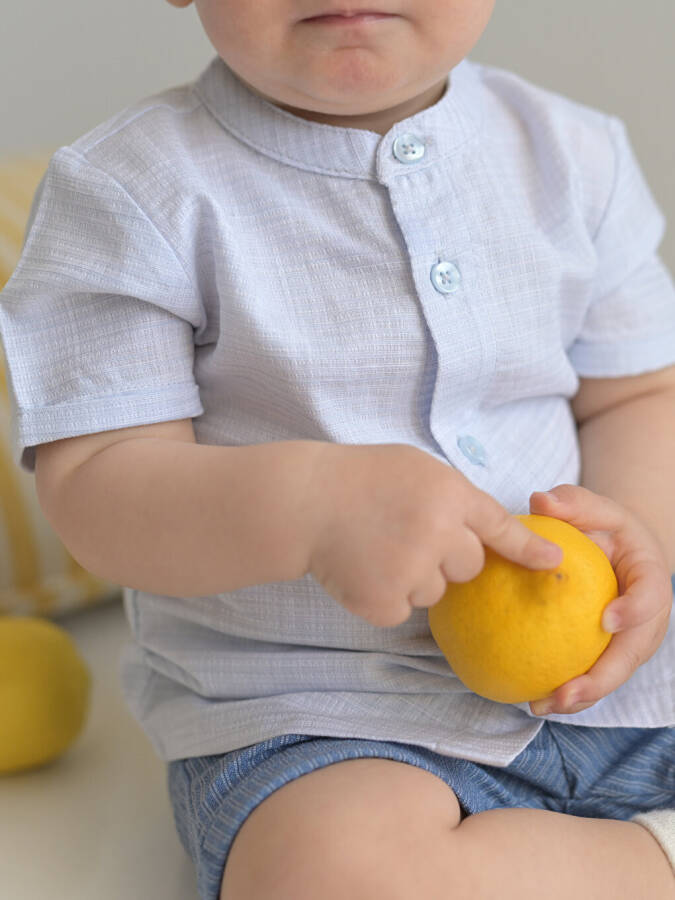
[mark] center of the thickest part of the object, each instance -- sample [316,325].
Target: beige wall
[67,65]
[615,55]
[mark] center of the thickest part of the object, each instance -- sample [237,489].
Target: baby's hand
[641,612]
[393,525]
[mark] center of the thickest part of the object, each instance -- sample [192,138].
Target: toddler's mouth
[348,18]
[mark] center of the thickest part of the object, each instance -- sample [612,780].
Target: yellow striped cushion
[37,574]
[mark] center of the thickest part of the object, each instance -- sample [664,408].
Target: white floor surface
[97,823]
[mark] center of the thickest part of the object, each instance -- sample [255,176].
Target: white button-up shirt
[206,254]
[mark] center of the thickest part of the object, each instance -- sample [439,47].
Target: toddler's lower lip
[360,19]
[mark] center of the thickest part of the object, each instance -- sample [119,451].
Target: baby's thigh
[358,828]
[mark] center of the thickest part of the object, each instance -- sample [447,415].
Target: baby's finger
[506,535]
[430,593]
[582,508]
[648,597]
[624,654]
[464,558]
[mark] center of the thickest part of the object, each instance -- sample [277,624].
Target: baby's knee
[357,829]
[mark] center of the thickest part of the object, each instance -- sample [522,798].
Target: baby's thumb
[582,508]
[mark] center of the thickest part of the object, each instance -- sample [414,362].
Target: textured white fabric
[661,824]
[207,254]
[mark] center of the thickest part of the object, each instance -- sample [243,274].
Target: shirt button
[472,449]
[408,148]
[445,277]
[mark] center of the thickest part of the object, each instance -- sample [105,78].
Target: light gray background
[66,66]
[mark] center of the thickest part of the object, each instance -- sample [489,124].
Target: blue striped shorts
[593,772]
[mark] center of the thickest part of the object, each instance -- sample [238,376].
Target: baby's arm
[154,510]
[627,439]
[381,527]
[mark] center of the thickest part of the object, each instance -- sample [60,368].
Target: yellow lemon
[513,634]
[44,692]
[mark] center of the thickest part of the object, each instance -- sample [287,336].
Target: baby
[288,347]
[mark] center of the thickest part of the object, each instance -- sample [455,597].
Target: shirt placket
[438,239]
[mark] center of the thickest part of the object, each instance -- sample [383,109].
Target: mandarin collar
[333,150]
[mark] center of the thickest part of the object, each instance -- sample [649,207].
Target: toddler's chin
[358,80]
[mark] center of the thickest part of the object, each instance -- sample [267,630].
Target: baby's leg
[369,829]
[537,853]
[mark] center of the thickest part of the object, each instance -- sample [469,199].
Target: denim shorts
[593,772]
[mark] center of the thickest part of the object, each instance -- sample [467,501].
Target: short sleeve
[629,326]
[98,318]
